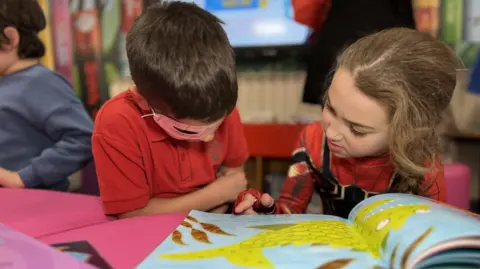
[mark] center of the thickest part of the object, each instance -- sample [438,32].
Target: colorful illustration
[257,23]
[84,257]
[112,22]
[248,253]
[85,252]
[87,39]
[471,18]
[427,14]
[288,9]
[222,5]
[451,21]
[131,9]
[18,251]
[46,37]
[375,226]
[374,237]
[197,234]
[62,38]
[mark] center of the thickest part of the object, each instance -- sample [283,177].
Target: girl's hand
[252,202]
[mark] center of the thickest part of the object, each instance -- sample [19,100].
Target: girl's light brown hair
[413,76]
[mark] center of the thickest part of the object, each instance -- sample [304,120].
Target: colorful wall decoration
[86,38]
[88,42]
[457,22]
[62,40]
[46,37]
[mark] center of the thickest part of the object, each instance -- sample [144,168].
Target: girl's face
[355,125]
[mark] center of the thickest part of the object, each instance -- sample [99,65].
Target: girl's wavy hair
[413,75]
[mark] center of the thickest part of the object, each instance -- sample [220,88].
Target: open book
[18,251]
[384,231]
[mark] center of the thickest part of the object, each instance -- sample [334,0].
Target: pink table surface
[39,212]
[123,243]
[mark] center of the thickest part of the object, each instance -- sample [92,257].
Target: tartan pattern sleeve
[299,185]
[298,188]
[295,195]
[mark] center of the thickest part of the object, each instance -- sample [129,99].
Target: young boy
[45,131]
[160,145]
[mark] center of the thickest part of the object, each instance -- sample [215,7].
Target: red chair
[457,179]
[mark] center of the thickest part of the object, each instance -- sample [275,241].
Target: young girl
[377,133]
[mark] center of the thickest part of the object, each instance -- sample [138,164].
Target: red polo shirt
[136,160]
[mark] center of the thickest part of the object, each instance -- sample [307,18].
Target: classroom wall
[48,59]
[462,117]
[88,40]
[87,45]
[454,21]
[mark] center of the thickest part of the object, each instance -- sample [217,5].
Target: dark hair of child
[27,17]
[182,63]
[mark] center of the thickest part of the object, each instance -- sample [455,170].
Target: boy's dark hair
[27,17]
[182,63]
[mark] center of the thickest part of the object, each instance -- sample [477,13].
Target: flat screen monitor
[257,23]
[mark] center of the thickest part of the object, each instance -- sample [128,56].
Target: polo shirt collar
[155,132]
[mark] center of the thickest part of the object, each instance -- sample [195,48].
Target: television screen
[257,23]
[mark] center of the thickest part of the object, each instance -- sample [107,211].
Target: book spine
[427,13]
[87,38]
[62,38]
[131,9]
[471,21]
[451,27]
[46,37]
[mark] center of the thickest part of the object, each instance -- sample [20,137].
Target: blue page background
[445,224]
[286,256]
[385,222]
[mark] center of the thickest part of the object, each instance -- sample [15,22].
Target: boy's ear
[13,38]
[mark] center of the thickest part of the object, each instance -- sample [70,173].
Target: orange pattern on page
[249,252]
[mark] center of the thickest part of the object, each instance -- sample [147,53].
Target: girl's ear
[13,38]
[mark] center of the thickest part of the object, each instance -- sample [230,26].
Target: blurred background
[282,66]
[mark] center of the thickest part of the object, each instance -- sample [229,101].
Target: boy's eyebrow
[349,121]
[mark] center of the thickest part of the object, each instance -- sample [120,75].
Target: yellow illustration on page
[248,253]
[374,226]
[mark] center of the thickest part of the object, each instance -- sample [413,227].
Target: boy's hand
[220,209]
[231,185]
[253,202]
[10,179]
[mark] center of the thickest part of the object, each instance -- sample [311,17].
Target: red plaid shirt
[370,174]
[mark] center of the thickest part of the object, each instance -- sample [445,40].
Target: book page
[19,251]
[83,251]
[205,240]
[400,227]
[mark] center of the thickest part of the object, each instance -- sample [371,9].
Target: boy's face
[206,130]
[354,124]
[8,50]
[187,129]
